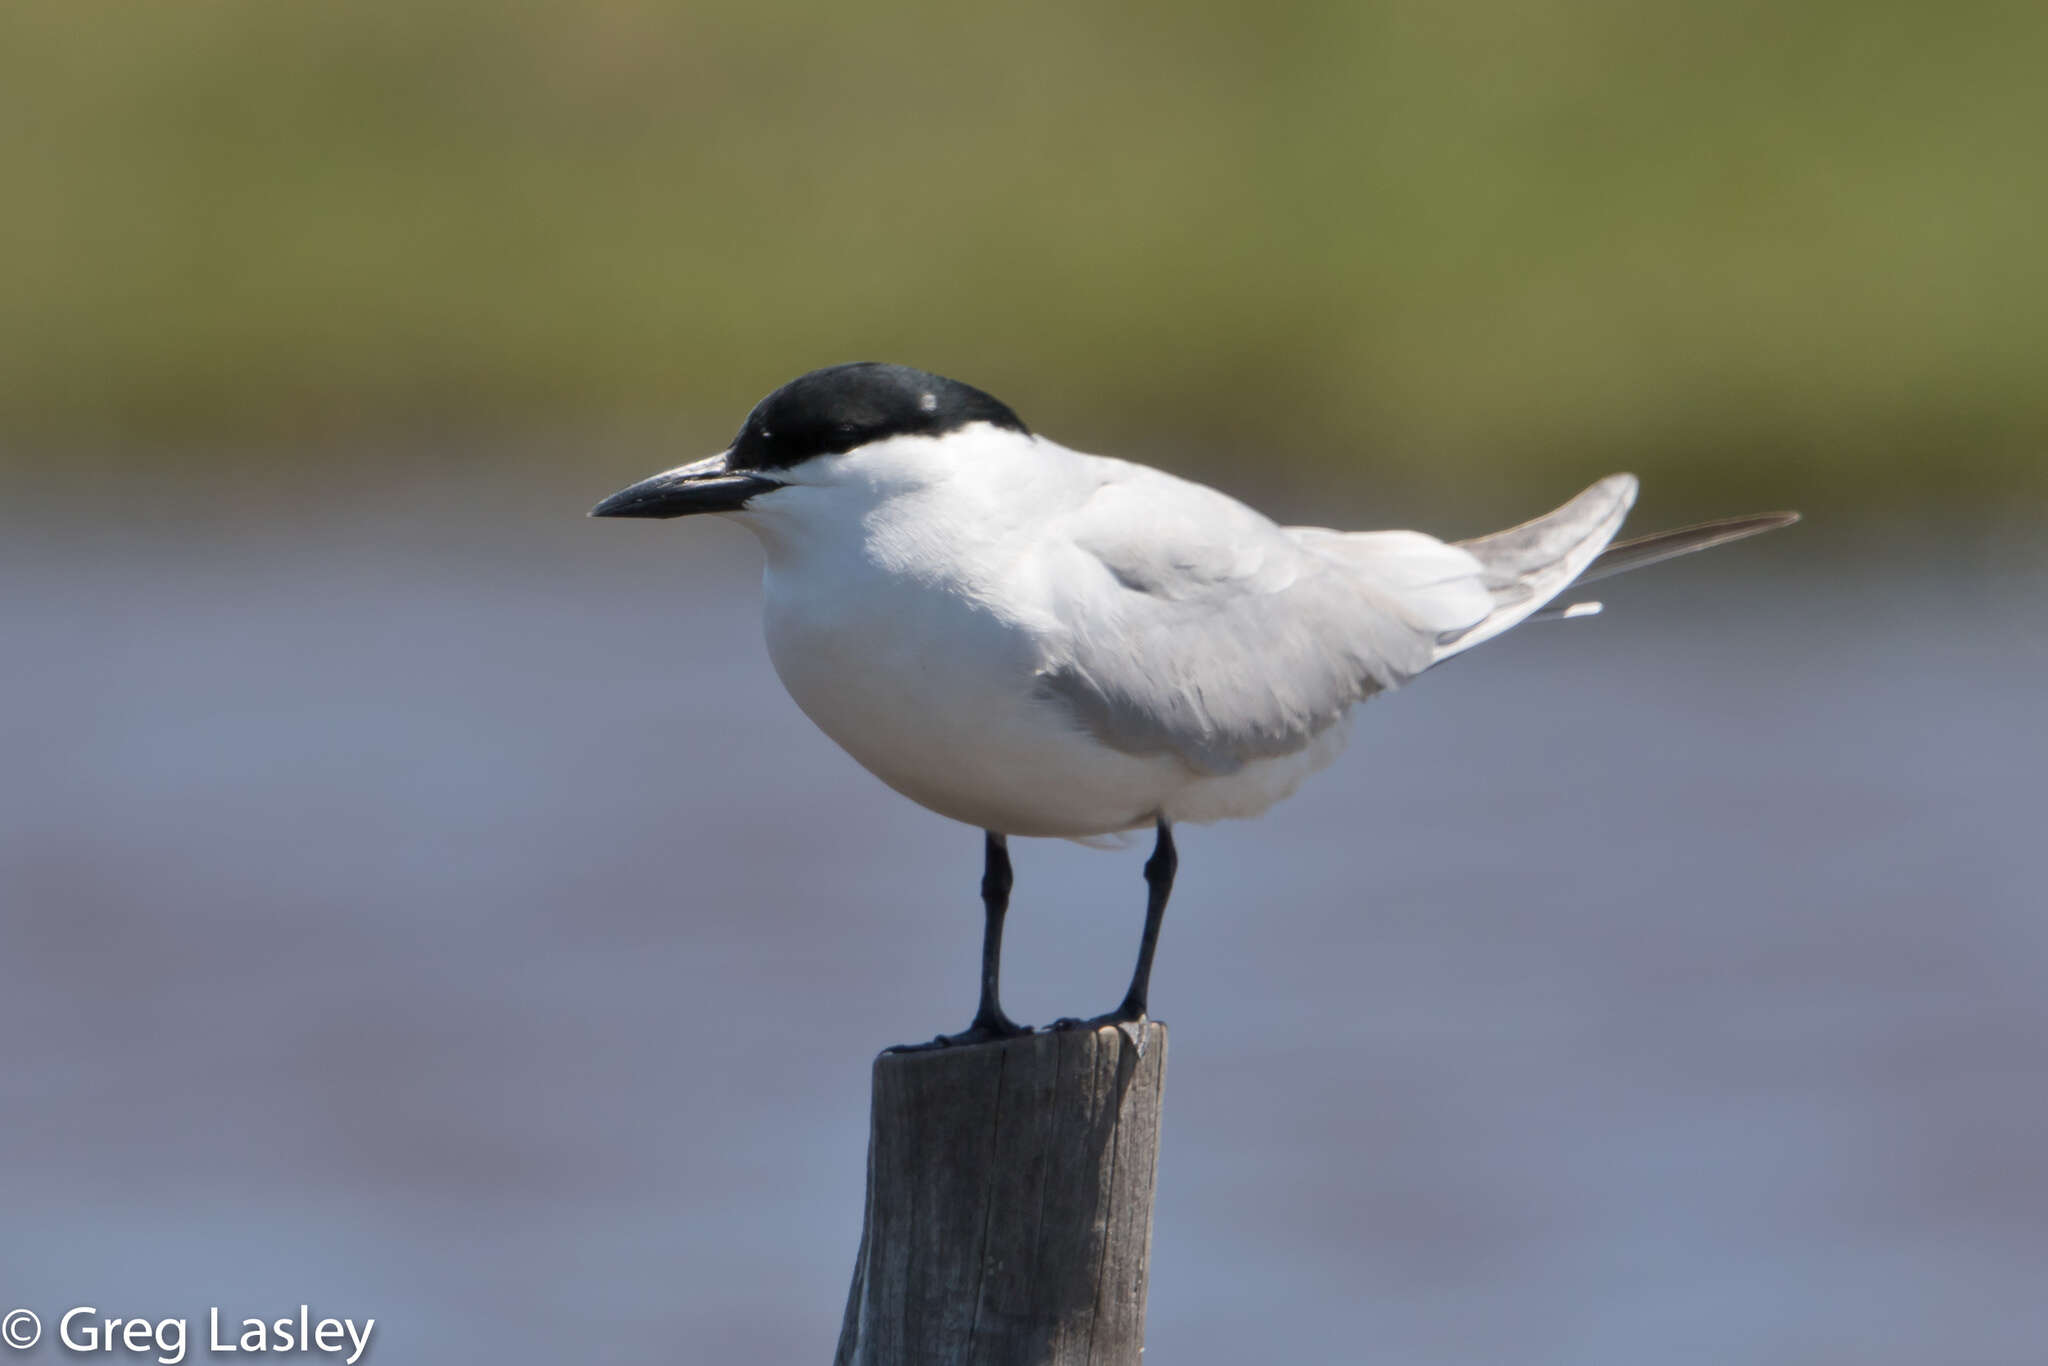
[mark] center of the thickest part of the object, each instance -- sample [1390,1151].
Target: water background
[430,907]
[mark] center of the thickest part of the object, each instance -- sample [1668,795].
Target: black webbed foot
[981,1031]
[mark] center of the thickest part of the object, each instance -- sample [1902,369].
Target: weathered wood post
[1009,1204]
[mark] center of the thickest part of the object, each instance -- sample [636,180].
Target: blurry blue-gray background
[420,902]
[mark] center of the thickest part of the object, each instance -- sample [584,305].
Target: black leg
[989,1020]
[1159,870]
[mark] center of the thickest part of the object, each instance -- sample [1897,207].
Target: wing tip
[1756,524]
[1622,487]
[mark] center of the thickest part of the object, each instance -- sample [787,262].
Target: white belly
[936,695]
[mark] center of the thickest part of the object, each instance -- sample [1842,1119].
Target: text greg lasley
[85,1329]
[303,1334]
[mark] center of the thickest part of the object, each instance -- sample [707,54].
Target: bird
[1039,642]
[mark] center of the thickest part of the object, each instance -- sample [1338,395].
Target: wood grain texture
[1009,1203]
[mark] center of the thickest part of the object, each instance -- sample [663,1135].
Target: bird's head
[864,423]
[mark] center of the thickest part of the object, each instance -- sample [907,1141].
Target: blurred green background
[1770,253]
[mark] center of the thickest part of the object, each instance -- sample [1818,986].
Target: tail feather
[1526,566]
[1453,596]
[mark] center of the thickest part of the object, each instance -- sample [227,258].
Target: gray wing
[1193,626]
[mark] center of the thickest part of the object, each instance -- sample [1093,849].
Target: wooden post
[1009,1208]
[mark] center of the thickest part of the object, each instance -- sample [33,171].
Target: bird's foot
[1129,1019]
[985,1029]
[1129,1013]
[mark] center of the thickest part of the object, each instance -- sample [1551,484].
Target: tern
[1039,642]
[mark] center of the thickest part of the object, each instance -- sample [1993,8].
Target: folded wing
[1193,626]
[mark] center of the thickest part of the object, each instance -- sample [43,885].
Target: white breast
[933,694]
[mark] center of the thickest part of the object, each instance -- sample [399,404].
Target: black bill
[703,487]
